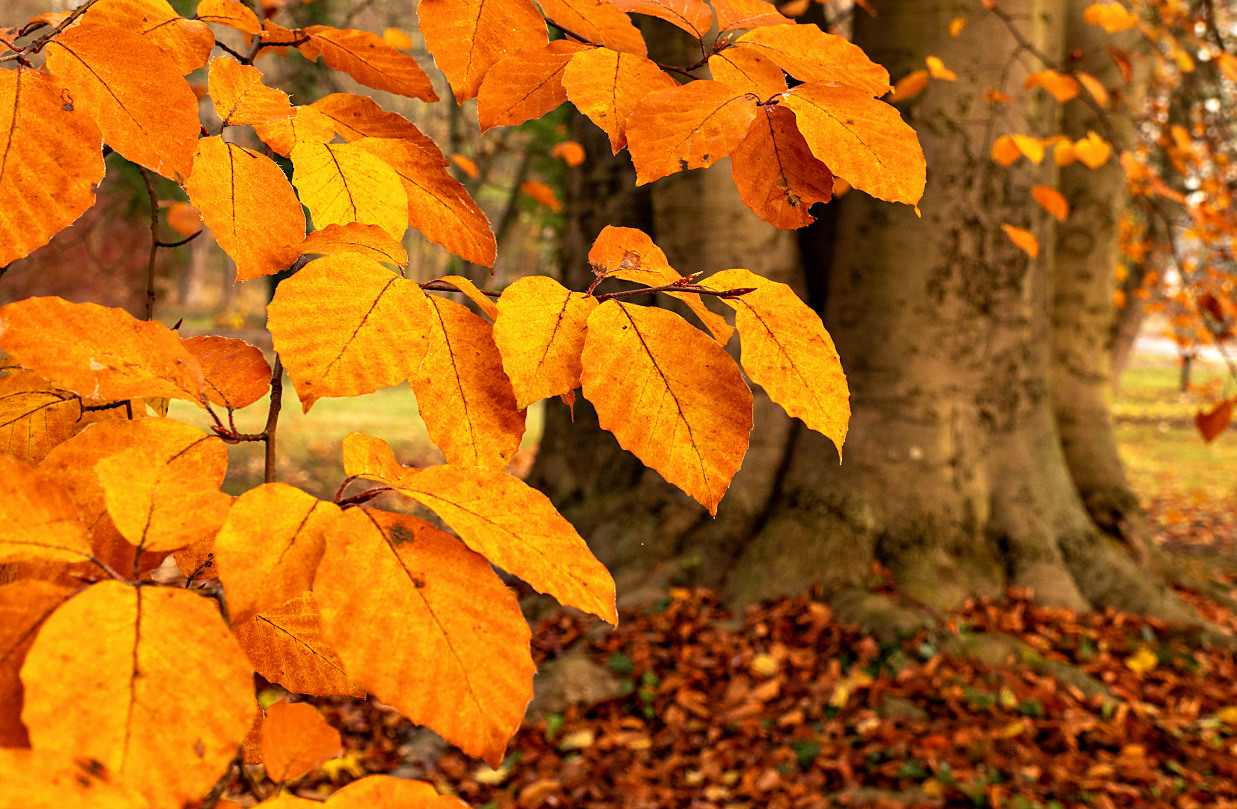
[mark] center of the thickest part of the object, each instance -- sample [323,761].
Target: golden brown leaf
[150,115]
[373,459]
[387,792]
[34,417]
[462,393]
[98,353]
[355,117]
[187,42]
[453,653]
[787,351]
[599,23]
[540,334]
[687,127]
[1111,16]
[525,85]
[343,182]
[1092,151]
[285,646]
[607,85]
[184,218]
[747,70]
[397,38]
[240,97]
[345,325]
[732,14]
[247,203]
[295,740]
[1005,151]
[1051,200]
[368,58]
[1025,240]
[269,546]
[811,55]
[909,86]
[1093,86]
[24,605]
[236,373]
[693,16]
[157,691]
[369,241]
[672,397]
[230,13]
[776,173]
[465,164]
[860,139]
[50,161]
[468,37]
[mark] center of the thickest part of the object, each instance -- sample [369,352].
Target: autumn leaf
[240,97]
[607,85]
[1059,85]
[34,417]
[749,71]
[50,161]
[776,173]
[373,459]
[465,164]
[462,393]
[345,325]
[1211,423]
[475,295]
[236,373]
[468,37]
[295,740]
[543,194]
[811,55]
[268,547]
[569,151]
[540,334]
[787,351]
[369,241]
[1092,151]
[397,39]
[860,139]
[285,646]
[525,84]
[369,59]
[248,204]
[1111,16]
[687,127]
[455,654]
[693,16]
[308,126]
[1093,86]
[149,116]
[343,182]
[354,117]
[672,397]
[184,218]
[597,23]
[732,14]
[157,691]
[387,792]
[937,69]
[24,605]
[231,14]
[187,42]
[1025,240]
[42,779]
[1005,151]
[909,86]
[38,518]
[99,353]
[1052,201]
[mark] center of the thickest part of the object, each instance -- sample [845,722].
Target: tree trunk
[954,477]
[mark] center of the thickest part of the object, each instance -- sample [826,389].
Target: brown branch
[154,243]
[180,243]
[678,286]
[438,285]
[37,45]
[272,417]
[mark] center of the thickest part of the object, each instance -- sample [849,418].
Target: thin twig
[438,285]
[272,417]
[678,286]
[154,243]
[180,243]
[35,46]
[108,569]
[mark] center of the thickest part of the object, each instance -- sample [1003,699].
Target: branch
[37,45]
[182,242]
[438,285]
[682,285]
[154,243]
[272,417]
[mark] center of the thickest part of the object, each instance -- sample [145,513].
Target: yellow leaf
[295,740]
[369,241]
[671,396]
[687,127]
[1051,200]
[310,125]
[1092,151]
[540,334]
[1094,87]
[240,97]
[24,605]
[1025,240]
[608,85]
[955,26]
[372,458]
[1063,153]
[468,37]
[787,351]
[269,546]
[99,353]
[516,527]
[150,115]
[462,393]
[470,291]
[811,55]
[349,763]
[1111,16]
[860,139]
[938,70]
[247,203]
[345,325]
[285,646]
[543,194]
[38,518]
[43,189]
[1030,147]
[34,417]
[368,58]
[1061,86]
[1142,661]
[343,182]
[157,691]
[187,42]
[454,654]
[397,39]
[236,373]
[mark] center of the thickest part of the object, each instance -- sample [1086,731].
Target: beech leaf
[687,127]
[693,16]
[776,173]
[373,459]
[236,373]
[732,14]
[749,71]
[355,117]
[38,518]
[388,792]
[285,646]
[606,85]
[187,42]
[295,740]
[599,23]
[369,59]
[230,13]
[34,417]
[24,605]
[343,182]
[369,241]
[240,97]
[525,85]
[811,55]
[467,37]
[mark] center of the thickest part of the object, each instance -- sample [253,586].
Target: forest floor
[783,706]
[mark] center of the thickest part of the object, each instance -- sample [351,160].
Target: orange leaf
[44,189]
[1063,153]
[368,58]
[1211,423]
[438,206]
[98,353]
[1061,86]
[184,218]
[543,194]
[369,241]
[607,85]
[748,71]
[237,375]
[397,39]
[462,393]
[157,691]
[540,334]
[309,126]
[1051,200]
[693,16]
[516,527]
[525,85]
[569,151]
[38,518]
[150,115]
[1111,16]
[733,14]
[775,172]
[909,86]
[230,13]
[1030,147]
[187,42]
[285,646]
[34,417]
[24,605]
[372,458]
[956,25]
[455,653]
[861,139]
[811,55]
[387,792]
[465,164]
[938,70]
[295,740]
[672,397]
[1092,151]
[344,182]
[1094,87]
[1005,151]
[355,117]
[599,23]
[1025,240]
[39,779]
[345,325]
[479,298]
[630,255]
[248,204]
[687,127]
[468,37]
[787,351]
[240,97]
[269,546]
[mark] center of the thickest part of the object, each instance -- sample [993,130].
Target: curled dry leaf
[1211,423]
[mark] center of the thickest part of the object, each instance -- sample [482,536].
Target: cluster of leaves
[120,689]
